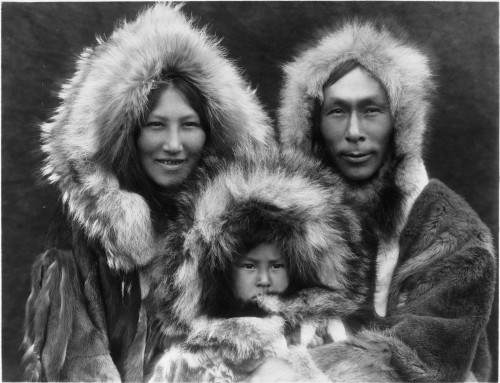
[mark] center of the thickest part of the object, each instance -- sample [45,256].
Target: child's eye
[248,266]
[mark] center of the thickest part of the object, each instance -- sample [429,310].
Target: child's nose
[264,279]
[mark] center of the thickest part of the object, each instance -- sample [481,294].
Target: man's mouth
[356,157]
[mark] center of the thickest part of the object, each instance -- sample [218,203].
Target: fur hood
[404,72]
[88,137]
[287,199]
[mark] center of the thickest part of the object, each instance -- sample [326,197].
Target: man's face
[261,271]
[356,124]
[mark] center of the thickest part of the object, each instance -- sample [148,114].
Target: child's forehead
[264,252]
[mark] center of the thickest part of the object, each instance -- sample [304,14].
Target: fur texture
[94,308]
[287,199]
[106,98]
[435,263]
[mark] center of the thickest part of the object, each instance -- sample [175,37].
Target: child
[271,248]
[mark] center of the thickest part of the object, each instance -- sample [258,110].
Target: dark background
[40,42]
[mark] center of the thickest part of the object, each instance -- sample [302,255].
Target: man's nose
[354,129]
[172,141]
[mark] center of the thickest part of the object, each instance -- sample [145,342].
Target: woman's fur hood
[86,139]
[287,199]
[403,70]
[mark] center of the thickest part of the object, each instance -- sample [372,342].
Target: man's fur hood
[287,199]
[86,139]
[405,73]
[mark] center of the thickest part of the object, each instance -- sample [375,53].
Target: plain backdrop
[40,42]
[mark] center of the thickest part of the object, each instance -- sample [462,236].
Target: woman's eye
[153,124]
[192,124]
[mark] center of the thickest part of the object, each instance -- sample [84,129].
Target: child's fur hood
[404,71]
[287,199]
[86,139]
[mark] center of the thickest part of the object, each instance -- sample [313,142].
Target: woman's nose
[172,141]
[354,133]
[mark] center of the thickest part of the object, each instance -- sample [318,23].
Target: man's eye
[373,109]
[336,111]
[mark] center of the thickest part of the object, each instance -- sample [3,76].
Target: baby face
[261,271]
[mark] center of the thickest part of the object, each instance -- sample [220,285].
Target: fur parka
[286,199]
[87,145]
[435,261]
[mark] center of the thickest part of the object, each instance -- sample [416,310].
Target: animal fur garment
[288,200]
[89,136]
[435,261]
[86,322]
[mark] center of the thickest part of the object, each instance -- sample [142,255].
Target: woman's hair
[131,175]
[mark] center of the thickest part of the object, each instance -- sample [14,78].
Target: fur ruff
[290,200]
[405,73]
[106,98]
[285,198]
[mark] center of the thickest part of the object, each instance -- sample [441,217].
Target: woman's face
[172,139]
[356,124]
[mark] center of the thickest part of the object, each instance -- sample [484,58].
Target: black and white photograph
[250,191]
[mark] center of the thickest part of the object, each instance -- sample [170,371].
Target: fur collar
[404,71]
[288,199]
[105,99]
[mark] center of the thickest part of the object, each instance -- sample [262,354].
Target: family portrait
[250,191]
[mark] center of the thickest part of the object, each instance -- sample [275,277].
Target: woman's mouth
[171,164]
[356,157]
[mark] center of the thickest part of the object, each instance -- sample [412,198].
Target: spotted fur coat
[84,317]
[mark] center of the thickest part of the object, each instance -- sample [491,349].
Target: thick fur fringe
[290,200]
[106,98]
[49,301]
[286,198]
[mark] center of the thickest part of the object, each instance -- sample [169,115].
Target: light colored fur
[105,99]
[403,70]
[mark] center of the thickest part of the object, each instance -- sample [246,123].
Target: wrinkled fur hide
[101,104]
[441,291]
[287,199]
[84,143]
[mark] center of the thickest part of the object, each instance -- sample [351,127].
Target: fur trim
[49,302]
[106,98]
[403,70]
[290,200]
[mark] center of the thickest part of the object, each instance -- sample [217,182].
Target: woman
[146,111]
[358,100]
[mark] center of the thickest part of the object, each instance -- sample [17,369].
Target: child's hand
[271,304]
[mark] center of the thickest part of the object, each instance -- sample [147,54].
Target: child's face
[262,270]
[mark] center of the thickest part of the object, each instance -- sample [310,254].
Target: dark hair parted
[129,171]
[317,142]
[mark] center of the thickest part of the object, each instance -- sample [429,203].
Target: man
[359,100]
